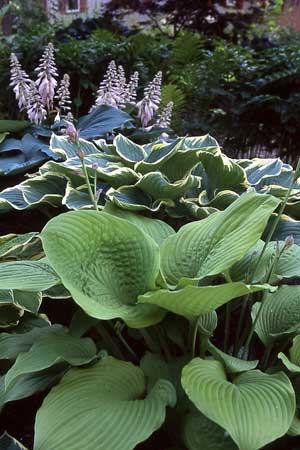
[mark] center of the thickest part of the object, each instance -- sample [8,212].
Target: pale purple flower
[164,119]
[148,106]
[130,95]
[109,89]
[63,94]
[19,81]
[47,74]
[72,133]
[35,109]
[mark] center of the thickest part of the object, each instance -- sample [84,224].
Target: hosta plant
[191,332]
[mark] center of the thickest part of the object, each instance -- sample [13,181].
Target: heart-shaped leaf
[103,407]
[213,245]
[280,314]
[241,407]
[105,262]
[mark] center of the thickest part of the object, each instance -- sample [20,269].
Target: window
[72,6]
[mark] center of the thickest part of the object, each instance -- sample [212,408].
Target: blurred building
[69,9]
[290,16]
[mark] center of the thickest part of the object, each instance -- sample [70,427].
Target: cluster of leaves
[162,336]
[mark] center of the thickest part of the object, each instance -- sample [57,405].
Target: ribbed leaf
[62,146]
[259,170]
[194,301]
[201,433]
[159,155]
[255,398]
[27,275]
[10,243]
[49,350]
[293,362]
[133,199]
[280,314]
[232,364]
[156,185]
[156,229]
[103,407]
[212,245]
[105,262]
[128,150]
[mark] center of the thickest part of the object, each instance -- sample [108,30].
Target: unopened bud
[80,153]
[95,165]
[289,241]
[72,133]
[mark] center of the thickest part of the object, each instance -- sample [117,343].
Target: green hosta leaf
[293,362]
[13,126]
[118,416]
[213,245]
[193,301]
[295,427]
[255,398]
[105,262]
[280,315]
[220,201]
[9,315]
[7,442]
[222,171]
[285,267]
[156,185]
[128,150]
[14,343]
[232,364]
[201,433]
[27,275]
[207,323]
[133,199]
[159,155]
[62,146]
[156,229]
[49,350]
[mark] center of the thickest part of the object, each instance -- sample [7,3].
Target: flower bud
[289,241]
[95,165]
[72,133]
[80,153]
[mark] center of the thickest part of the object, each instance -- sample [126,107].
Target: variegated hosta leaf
[232,364]
[78,198]
[12,243]
[105,262]
[7,442]
[103,407]
[293,362]
[133,199]
[241,407]
[285,267]
[220,201]
[259,170]
[222,171]
[158,187]
[286,227]
[201,433]
[194,301]
[27,275]
[280,314]
[213,245]
[128,150]
[159,155]
[62,146]
[30,301]
[156,229]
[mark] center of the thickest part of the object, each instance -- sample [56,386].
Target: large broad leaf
[20,155]
[62,146]
[105,262]
[260,170]
[27,275]
[159,187]
[156,229]
[103,407]
[201,433]
[293,362]
[7,442]
[159,155]
[128,150]
[286,266]
[193,301]
[29,301]
[255,398]
[102,120]
[212,245]
[13,126]
[280,314]
[286,227]
[232,364]
[132,198]
[49,350]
